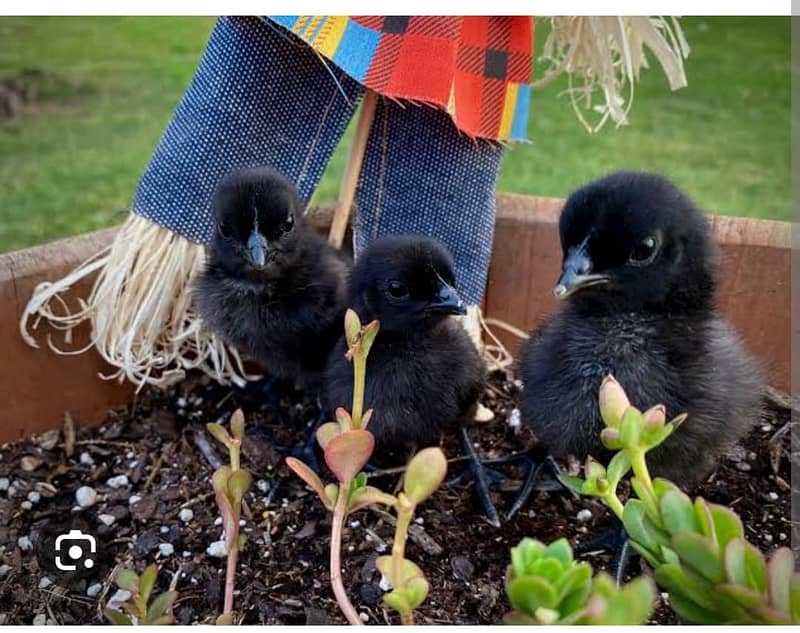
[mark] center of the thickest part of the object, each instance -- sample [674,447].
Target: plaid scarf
[478,69]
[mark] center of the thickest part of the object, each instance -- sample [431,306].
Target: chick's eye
[644,252]
[397,289]
[288,225]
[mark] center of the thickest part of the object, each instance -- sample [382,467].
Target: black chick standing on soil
[424,374]
[638,280]
[272,288]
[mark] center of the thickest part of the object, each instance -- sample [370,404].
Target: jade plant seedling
[230,483]
[348,446]
[697,549]
[139,609]
[545,585]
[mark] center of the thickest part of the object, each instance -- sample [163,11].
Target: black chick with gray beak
[637,284]
[272,287]
[424,374]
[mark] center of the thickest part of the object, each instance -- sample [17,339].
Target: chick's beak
[257,249]
[447,302]
[576,273]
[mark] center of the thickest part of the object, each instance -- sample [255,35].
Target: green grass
[72,166]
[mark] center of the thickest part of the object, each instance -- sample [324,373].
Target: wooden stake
[347,192]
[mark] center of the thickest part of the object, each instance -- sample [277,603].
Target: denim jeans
[262,97]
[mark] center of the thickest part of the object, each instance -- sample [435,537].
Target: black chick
[272,288]
[424,374]
[638,282]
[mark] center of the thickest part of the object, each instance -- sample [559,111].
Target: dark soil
[283,570]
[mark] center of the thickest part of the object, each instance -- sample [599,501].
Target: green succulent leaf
[161,605]
[612,402]
[517,618]
[415,590]
[115,617]
[529,593]
[408,570]
[368,336]
[779,579]
[312,479]
[727,524]
[641,529]
[237,424]
[219,433]
[743,596]
[347,453]
[524,555]
[649,502]
[630,430]
[704,520]
[225,619]
[678,583]
[424,474]
[128,580]
[645,553]
[677,512]
[326,432]
[576,484]
[238,485]
[344,419]
[331,494]
[560,550]
[550,569]
[352,327]
[146,583]
[398,600]
[692,612]
[618,467]
[794,589]
[700,554]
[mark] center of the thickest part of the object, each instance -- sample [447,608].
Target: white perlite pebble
[166,549]
[117,599]
[134,499]
[163,529]
[4,569]
[261,484]
[584,516]
[514,419]
[24,543]
[119,481]
[34,497]
[218,521]
[186,515]
[384,584]
[181,402]
[94,590]
[45,582]
[86,459]
[86,496]
[217,549]
[773,496]
[39,620]
[4,483]
[107,519]
[26,505]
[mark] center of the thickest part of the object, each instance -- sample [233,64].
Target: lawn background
[71,165]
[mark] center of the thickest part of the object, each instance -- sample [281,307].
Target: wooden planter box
[38,386]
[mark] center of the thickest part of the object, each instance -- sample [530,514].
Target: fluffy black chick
[638,282]
[272,287]
[424,374]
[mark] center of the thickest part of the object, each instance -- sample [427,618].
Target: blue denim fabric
[421,175]
[259,97]
[262,97]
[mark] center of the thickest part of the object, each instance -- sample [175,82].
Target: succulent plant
[697,549]
[230,484]
[347,446]
[545,585]
[138,609]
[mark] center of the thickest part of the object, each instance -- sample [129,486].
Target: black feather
[424,374]
[653,325]
[287,313]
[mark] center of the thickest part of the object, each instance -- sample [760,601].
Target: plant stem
[235,453]
[359,368]
[407,619]
[613,502]
[399,545]
[339,513]
[230,575]
[639,466]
